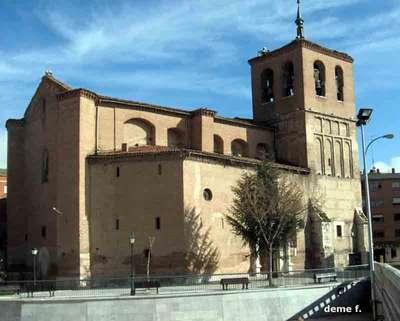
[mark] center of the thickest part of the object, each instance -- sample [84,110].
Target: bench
[243,281]
[9,289]
[318,277]
[30,287]
[147,284]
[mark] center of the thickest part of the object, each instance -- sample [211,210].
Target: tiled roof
[139,150]
[158,150]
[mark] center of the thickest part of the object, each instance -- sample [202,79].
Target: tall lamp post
[132,242]
[363,117]
[34,252]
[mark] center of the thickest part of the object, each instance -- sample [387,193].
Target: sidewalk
[352,317]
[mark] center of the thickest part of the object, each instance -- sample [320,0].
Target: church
[86,170]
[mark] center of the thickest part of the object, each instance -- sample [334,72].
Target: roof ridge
[49,76]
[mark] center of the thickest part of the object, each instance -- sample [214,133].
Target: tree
[268,210]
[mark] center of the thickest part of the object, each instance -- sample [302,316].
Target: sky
[191,54]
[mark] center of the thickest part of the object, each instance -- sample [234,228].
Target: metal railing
[170,284]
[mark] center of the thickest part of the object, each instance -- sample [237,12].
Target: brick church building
[85,170]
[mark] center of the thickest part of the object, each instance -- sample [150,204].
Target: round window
[207,194]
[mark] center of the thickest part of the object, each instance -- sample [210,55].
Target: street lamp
[34,252]
[131,242]
[363,117]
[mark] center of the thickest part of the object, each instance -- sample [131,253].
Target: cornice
[203,112]
[238,122]
[303,43]
[80,92]
[330,116]
[15,122]
[176,153]
[106,101]
[330,52]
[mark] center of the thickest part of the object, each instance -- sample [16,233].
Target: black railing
[169,284]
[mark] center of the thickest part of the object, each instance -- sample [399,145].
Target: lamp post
[363,117]
[34,252]
[131,242]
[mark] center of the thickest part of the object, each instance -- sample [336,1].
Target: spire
[299,22]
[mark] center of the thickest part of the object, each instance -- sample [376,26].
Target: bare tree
[268,210]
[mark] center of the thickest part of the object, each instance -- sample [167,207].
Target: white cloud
[190,43]
[386,167]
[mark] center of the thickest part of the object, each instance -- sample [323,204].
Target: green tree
[268,210]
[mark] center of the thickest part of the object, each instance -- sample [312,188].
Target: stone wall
[272,305]
[144,191]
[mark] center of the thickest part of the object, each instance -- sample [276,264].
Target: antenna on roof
[299,22]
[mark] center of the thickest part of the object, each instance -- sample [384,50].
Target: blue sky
[194,53]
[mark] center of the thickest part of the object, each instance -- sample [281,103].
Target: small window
[124,147]
[159,169]
[379,234]
[378,219]
[45,166]
[396,185]
[5,189]
[377,203]
[26,237]
[339,231]
[222,223]
[397,232]
[44,232]
[393,253]
[117,171]
[207,194]
[117,224]
[396,200]
[397,217]
[158,223]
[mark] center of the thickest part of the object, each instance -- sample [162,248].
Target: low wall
[252,305]
[387,291]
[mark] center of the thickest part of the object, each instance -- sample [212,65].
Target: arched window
[239,148]
[347,160]
[218,145]
[288,79]
[176,138]
[339,83]
[267,86]
[262,151]
[45,166]
[320,156]
[328,157]
[319,78]
[338,159]
[138,132]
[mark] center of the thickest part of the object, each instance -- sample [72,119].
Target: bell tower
[305,91]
